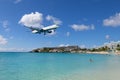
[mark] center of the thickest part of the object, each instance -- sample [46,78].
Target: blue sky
[86,23]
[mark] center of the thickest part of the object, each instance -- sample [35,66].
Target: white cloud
[3,40]
[68,34]
[107,36]
[94,46]
[112,21]
[82,46]
[11,37]
[5,25]
[32,20]
[36,20]
[17,1]
[63,45]
[14,49]
[85,19]
[7,29]
[82,27]
[53,19]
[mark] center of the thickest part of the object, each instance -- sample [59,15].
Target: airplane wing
[36,30]
[50,27]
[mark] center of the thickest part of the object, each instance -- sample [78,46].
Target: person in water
[90,60]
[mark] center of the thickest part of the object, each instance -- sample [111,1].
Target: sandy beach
[104,52]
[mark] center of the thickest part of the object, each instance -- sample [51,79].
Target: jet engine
[50,31]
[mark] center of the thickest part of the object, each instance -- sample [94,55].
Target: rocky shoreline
[73,49]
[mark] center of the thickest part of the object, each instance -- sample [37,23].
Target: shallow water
[44,66]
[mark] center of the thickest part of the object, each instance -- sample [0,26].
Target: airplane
[45,30]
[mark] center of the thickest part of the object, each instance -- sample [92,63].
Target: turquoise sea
[49,66]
